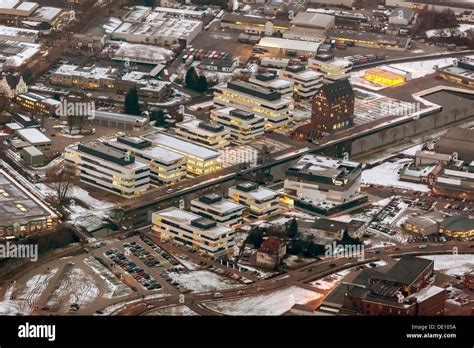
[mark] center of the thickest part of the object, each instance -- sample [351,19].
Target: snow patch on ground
[386,174]
[452,264]
[173,311]
[22,302]
[200,281]
[275,303]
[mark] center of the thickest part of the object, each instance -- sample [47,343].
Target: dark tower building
[333,107]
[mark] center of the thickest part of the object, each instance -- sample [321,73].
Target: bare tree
[61,181]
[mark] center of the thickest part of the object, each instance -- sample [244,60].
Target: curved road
[307,273]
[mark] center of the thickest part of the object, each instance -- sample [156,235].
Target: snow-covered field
[173,311]
[75,286]
[423,67]
[452,264]
[275,303]
[386,174]
[202,281]
[22,301]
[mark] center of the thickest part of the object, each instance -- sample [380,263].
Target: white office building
[211,135]
[320,179]
[244,127]
[271,81]
[259,201]
[213,206]
[108,169]
[305,82]
[200,160]
[269,104]
[193,230]
[332,68]
[166,167]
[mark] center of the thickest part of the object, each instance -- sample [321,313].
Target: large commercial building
[193,230]
[244,126]
[457,226]
[109,169]
[454,183]
[269,104]
[142,25]
[259,201]
[424,224]
[305,82]
[18,34]
[18,55]
[461,72]
[320,183]
[214,136]
[398,289]
[289,47]
[213,206]
[200,160]
[370,40]
[254,24]
[166,167]
[20,210]
[84,77]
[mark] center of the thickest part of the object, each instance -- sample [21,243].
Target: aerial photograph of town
[228,158]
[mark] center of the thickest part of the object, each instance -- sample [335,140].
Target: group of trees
[195,81]
[132,102]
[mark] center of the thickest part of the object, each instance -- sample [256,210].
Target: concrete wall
[415,127]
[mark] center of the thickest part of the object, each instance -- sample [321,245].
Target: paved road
[305,274]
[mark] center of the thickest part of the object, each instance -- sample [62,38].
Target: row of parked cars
[160,251]
[140,252]
[132,268]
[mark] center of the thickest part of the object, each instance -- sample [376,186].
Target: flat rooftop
[324,166]
[186,218]
[33,136]
[288,44]
[17,53]
[259,193]
[17,32]
[222,206]
[181,146]
[153,152]
[18,205]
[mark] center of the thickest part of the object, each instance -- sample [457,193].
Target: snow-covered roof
[181,146]
[274,42]
[178,28]
[17,53]
[33,136]
[185,218]
[92,72]
[427,293]
[141,53]
[17,32]
[153,152]
[47,14]
[8,4]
